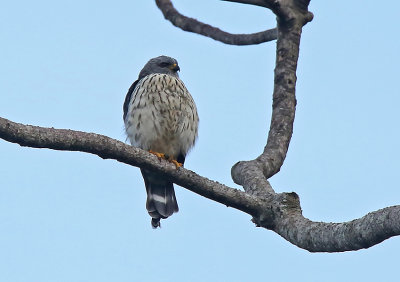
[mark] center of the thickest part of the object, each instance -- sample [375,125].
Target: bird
[160,116]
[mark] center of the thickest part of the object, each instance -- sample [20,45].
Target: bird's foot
[158,155]
[166,157]
[176,163]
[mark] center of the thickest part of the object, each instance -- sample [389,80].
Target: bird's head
[161,64]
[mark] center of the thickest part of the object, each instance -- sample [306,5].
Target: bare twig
[193,25]
[284,9]
[273,5]
[261,3]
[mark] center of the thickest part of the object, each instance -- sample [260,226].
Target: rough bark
[278,212]
[108,148]
[283,108]
[193,25]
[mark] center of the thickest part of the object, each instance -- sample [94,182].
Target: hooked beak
[174,67]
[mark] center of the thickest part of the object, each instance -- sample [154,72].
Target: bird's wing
[128,98]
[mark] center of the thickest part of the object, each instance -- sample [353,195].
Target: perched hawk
[160,116]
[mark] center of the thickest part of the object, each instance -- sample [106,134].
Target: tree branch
[193,25]
[108,148]
[282,212]
[284,102]
[261,3]
[362,233]
[278,212]
[273,5]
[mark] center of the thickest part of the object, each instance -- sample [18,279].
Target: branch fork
[279,212]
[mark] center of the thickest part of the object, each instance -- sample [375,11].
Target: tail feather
[161,201]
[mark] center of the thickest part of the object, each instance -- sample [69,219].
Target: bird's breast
[162,116]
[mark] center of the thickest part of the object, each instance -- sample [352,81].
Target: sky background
[70,216]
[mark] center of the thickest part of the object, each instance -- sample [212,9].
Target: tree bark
[279,212]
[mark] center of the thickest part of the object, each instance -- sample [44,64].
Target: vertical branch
[284,99]
[292,16]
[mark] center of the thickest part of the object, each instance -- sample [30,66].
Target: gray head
[161,64]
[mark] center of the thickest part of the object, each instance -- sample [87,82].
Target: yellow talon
[176,163]
[159,155]
[163,156]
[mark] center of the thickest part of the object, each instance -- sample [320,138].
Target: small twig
[261,3]
[195,26]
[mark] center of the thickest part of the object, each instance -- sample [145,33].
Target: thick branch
[362,233]
[278,212]
[286,217]
[284,100]
[108,148]
[193,25]
[283,106]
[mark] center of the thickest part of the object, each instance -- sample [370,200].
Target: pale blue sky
[68,216]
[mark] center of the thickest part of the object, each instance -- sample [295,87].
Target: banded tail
[161,201]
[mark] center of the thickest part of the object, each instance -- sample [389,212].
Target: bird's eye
[164,65]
